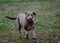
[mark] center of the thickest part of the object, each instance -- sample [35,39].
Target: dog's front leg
[26,34]
[33,34]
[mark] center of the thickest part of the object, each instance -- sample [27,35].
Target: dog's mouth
[29,20]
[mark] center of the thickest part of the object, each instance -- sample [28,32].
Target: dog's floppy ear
[34,13]
[25,12]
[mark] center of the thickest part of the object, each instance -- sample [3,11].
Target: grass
[20,1]
[48,19]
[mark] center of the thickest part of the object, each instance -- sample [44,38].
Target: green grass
[20,1]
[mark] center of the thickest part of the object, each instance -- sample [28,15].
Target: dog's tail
[11,18]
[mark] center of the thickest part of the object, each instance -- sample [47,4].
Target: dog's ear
[34,13]
[25,12]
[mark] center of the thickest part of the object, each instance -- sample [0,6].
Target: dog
[26,21]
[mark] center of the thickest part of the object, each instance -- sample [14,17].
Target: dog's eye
[28,14]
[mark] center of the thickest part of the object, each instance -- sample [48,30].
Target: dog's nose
[30,18]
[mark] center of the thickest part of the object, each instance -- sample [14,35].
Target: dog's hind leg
[19,30]
[19,27]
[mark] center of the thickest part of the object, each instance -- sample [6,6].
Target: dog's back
[21,18]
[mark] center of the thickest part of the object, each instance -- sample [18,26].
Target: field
[48,20]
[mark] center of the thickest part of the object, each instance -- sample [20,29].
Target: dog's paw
[27,36]
[33,38]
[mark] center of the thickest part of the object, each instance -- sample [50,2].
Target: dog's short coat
[26,21]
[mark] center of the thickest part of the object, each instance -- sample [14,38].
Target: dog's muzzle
[30,19]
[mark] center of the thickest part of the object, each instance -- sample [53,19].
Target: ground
[47,24]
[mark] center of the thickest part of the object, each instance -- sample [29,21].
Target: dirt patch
[43,36]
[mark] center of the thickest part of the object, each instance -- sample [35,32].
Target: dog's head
[29,15]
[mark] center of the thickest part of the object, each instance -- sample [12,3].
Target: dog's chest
[29,26]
